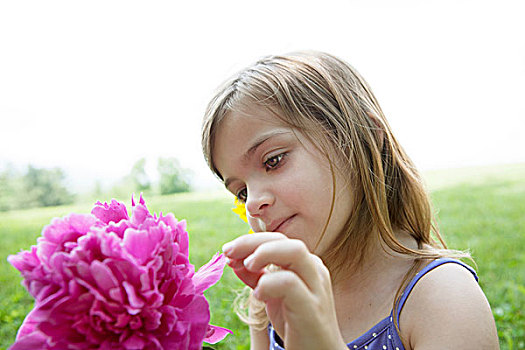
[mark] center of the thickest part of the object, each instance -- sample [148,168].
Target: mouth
[282,224]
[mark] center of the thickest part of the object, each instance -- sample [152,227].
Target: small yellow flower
[240,209]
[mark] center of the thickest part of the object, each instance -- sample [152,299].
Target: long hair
[332,105]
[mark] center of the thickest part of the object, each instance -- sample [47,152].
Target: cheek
[311,184]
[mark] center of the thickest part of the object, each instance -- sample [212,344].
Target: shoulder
[447,309]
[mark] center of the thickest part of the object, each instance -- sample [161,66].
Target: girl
[345,252]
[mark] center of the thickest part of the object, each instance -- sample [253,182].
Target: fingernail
[248,261]
[227,247]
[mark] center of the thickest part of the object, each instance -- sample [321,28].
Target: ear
[379,130]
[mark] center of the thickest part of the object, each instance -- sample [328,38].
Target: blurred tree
[97,189]
[44,187]
[139,176]
[173,178]
[7,188]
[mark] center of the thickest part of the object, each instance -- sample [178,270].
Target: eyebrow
[256,144]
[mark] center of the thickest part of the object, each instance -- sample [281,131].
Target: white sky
[93,86]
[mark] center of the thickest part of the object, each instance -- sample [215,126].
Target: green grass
[486,215]
[482,210]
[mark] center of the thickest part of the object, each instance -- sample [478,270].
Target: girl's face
[284,180]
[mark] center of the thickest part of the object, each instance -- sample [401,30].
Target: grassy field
[482,210]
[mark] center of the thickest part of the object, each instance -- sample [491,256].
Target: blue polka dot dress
[382,336]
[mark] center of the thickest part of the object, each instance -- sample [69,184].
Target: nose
[259,199]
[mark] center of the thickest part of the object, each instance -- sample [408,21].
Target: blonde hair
[331,104]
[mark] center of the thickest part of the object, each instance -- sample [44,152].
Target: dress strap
[424,271]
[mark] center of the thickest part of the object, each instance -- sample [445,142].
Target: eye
[273,162]
[242,195]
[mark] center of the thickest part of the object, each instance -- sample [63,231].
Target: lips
[280,224]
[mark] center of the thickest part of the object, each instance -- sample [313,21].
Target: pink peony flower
[107,281]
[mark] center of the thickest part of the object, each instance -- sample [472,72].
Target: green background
[479,209]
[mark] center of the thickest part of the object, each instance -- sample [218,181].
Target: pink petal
[169,220]
[181,237]
[210,273]
[81,223]
[152,319]
[140,244]
[34,340]
[24,261]
[134,342]
[113,212]
[103,276]
[45,250]
[215,334]
[134,300]
[116,295]
[28,326]
[198,311]
[55,231]
[140,213]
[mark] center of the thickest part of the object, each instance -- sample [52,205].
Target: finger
[250,278]
[234,263]
[293,255]
[284,285]
[243,246]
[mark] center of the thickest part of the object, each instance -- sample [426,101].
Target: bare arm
[448,310]
[259,339]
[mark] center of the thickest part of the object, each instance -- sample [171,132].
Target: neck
[364,294]
[379,263]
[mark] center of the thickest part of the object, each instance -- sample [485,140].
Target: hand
[298,297]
